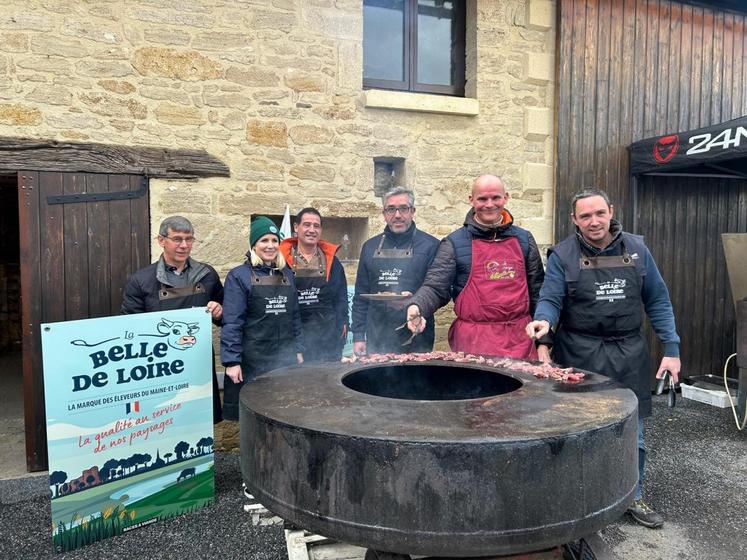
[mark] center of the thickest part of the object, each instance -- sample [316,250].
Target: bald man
[492,270]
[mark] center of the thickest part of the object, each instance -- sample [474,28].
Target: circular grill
[439,458]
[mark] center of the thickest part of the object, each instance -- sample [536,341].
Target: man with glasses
[392,266]
[176,281]
[492,270]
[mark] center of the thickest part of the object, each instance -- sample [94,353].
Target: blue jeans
[641,460]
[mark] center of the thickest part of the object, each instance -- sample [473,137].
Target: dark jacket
[336,279]
[453,263]
[238,291]
[562,273]
[141,291]
[424,248]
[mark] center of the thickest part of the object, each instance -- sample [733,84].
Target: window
[414,45]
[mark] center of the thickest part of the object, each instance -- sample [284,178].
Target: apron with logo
[268,342]
[322,334]
[600,326]
[391,271]
[493,308]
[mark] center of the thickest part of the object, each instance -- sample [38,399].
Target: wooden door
[82,235]
[682,219]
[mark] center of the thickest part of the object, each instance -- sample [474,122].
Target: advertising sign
[129,421]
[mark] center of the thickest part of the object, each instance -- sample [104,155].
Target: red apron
[493,308]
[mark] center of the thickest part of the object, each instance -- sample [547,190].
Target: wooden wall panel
[633,69]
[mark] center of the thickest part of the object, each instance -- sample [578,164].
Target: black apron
[391,271]
[268,342]
[183,298]
[600,326]
[321,333]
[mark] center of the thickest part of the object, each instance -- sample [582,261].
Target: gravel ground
[697,479]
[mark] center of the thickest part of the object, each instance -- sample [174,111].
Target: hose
[728,393]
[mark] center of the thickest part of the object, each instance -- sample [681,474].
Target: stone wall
[274,89]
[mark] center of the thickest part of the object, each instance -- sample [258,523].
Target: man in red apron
[599,280]
[321,286]
[493,272]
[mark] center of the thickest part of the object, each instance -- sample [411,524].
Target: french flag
[133,406]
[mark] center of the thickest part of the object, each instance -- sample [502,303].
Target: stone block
[16,114]
[302,81]
[51,95]
[165,94]
[540,227]
[253,76]
[233,100]
[350,65]
[104,68]
[310,134]
[177,17]
[267,133]
[172,63]
[165,36]
[49,44]
[74,121]
[537,123]
[540,15]
[51,64]
[117,86]
[313,172]
[84,30]
[223,41]
[104,104]
[335,23]
[25,21]
[14,42]
[265,19]
[168,113]
[537,176]
[539,68]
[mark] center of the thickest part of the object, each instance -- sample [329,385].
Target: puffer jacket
[451,268]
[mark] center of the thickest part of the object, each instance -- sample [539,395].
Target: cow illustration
[186,473]
[180,335]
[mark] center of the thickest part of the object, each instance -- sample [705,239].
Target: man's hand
[673,365]
[537,329]
[359,348]
[344,334]
[299,358]
[216,310]
[543,353]
[415,322]
[234,372]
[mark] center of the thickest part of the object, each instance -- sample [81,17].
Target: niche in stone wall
[389,172]
[348,233]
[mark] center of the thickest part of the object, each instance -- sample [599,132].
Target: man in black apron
[392,264]
[321,285]
[597,283]
[177,281]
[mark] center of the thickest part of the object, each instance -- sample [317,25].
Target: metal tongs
[403,325]
[667,380]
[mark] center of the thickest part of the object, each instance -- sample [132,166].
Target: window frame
[410,55]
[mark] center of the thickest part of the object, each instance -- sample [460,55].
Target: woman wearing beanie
[261,319]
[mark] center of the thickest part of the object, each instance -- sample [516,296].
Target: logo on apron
[499,271]
[389,277]
[276,305]
[612,290]
[309,295]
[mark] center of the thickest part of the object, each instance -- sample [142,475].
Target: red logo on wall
[666,148]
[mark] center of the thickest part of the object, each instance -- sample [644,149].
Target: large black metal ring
[508,464]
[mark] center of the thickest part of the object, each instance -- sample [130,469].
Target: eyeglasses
[180,240]
[392,210]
